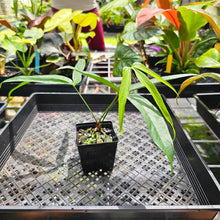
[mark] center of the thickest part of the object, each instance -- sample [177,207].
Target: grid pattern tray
[44,169]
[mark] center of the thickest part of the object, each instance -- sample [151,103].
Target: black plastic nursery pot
[97,157]
[3,106]
[11,71]
[208,105]
[41,176]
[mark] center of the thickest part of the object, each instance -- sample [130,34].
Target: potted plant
[156,124]
[115,14]
[183,45]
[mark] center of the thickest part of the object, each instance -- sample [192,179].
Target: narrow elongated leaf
[187,82]
[123,94]
[99,79]
[48,79]
[139,85]
[143,68]
[156,125]
[156,95]
[15,88]
[215,76]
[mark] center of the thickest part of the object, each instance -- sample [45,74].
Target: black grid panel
[45,169]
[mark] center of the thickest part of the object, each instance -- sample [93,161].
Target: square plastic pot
[98,157]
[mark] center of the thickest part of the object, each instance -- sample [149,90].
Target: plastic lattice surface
[45,169]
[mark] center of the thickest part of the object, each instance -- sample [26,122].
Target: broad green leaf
[8,46]
[86,35]
[210,59]
[188,26]
[172,39]
[142,34]
[130,27]
[123,94]
[76,75]
[35,33]
[156,125]
[114,4]
[66,27]
[6,32]
[212,16]
[84,20]
[124,57]
[60,17]
[155,94]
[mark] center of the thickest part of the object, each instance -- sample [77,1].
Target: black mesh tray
[41,174]
[3,106]
[208,105]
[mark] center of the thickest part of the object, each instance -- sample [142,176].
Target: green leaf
[142,34]
[155,94]
[114,4]
[48,79]
[210,59]
[215,76]
[172,39]
[139,85]
[124,57]
[76,75]
[98,78]
[156,125]
[123,94]
[35,33]
[146,70]
[188,26]
[59,18]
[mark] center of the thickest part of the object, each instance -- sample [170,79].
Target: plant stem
[185,52]
[102,118]
[90,110]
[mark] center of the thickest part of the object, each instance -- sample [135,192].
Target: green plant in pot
[177,33]
[63,36]
[22,42]
[115,14]
[156,118]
